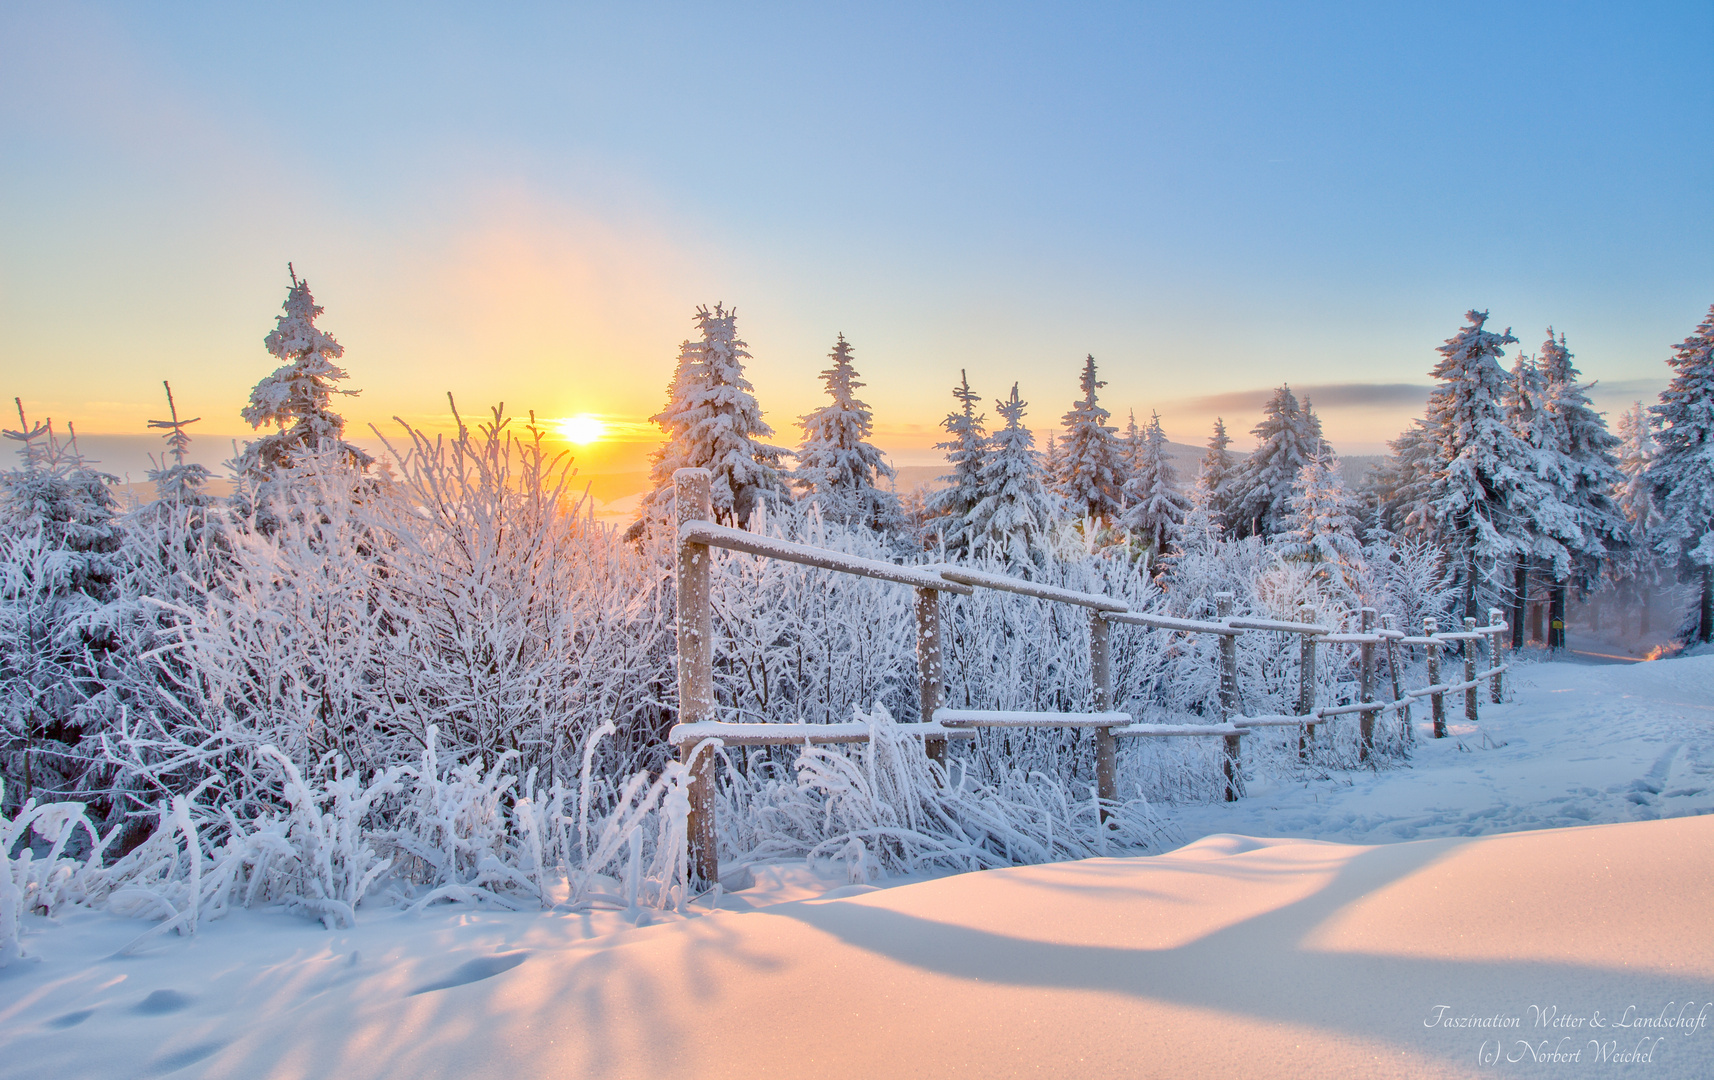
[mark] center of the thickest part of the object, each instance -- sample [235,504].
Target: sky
[526,205]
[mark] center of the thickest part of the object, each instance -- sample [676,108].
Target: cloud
[1324,395]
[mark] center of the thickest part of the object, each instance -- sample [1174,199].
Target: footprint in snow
[162,1002]
[483,967]
[178,1059]
[71,1019]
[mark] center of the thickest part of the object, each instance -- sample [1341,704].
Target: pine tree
[836,463]
[1092,470]
[60,541]
[712,421]
[180,483]
[1682,472]
[1585,472]
[1482,490]
[297,398]
[1132,449]
[1288,436]
[1157,507]
[1399,486]
[1321,527]
[1013,507]
[1633,493]
[1216,473]
[1546,527]
[1639,566]
[967,453]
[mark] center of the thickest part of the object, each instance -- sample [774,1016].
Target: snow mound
[1233,957]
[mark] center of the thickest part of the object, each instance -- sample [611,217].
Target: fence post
[1496,650]
[1431,627]
[1228,659]
[1391,622]
[1101,672]
[1366,683]
[1471,694]
[1229,695]
[931,680]
[694,501]
[1305,680]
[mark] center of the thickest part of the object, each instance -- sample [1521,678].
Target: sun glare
[582,430]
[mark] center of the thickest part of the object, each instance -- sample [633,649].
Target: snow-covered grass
[1228,956]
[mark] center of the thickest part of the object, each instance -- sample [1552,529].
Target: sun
[582,429]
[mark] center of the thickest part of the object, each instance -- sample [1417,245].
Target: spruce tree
[297,397]
[1091,466]
[1157,506]
[1400,486]
[1638,567]
[837,465]
[1131,450]
[1321,527]
[967,453]
[712,421]
[180,483]
[1525,415]
[1013,507]
[1682,472]
[60,545]
[1216,473]
[1583,474]
[1482,489]
[1288,436]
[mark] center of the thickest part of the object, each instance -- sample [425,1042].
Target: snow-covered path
[1229,957]
[1580,744]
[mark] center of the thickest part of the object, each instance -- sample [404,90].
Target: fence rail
[699,732]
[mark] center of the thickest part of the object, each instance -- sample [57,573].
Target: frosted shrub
[465,831]
[884,805]
[54,879]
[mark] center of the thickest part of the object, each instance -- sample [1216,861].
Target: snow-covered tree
[1396,491]
[1013,507]
[1546,529]
[837,465]
[181,482]
[967,452]
[1217,470]
[1157,507]
[1580,477]
[1482,490]
[1588,466]
[1091,464]
[296,399]
[712,421]
[1633,492]
[1288,436]
[60,540]
[1682,472]
[1131,447]
[1638,568]
[1321,528]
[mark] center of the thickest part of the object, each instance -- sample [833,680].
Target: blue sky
[525,206]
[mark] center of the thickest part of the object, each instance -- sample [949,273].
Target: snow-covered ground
[1331,949]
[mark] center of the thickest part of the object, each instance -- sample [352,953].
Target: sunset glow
[581,430]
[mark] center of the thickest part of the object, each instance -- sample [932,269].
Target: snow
[1388,921]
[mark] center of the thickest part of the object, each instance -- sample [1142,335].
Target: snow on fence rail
[698,732]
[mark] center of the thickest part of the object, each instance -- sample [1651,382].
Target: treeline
[1513,476]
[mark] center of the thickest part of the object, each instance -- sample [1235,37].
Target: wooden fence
[698,732]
